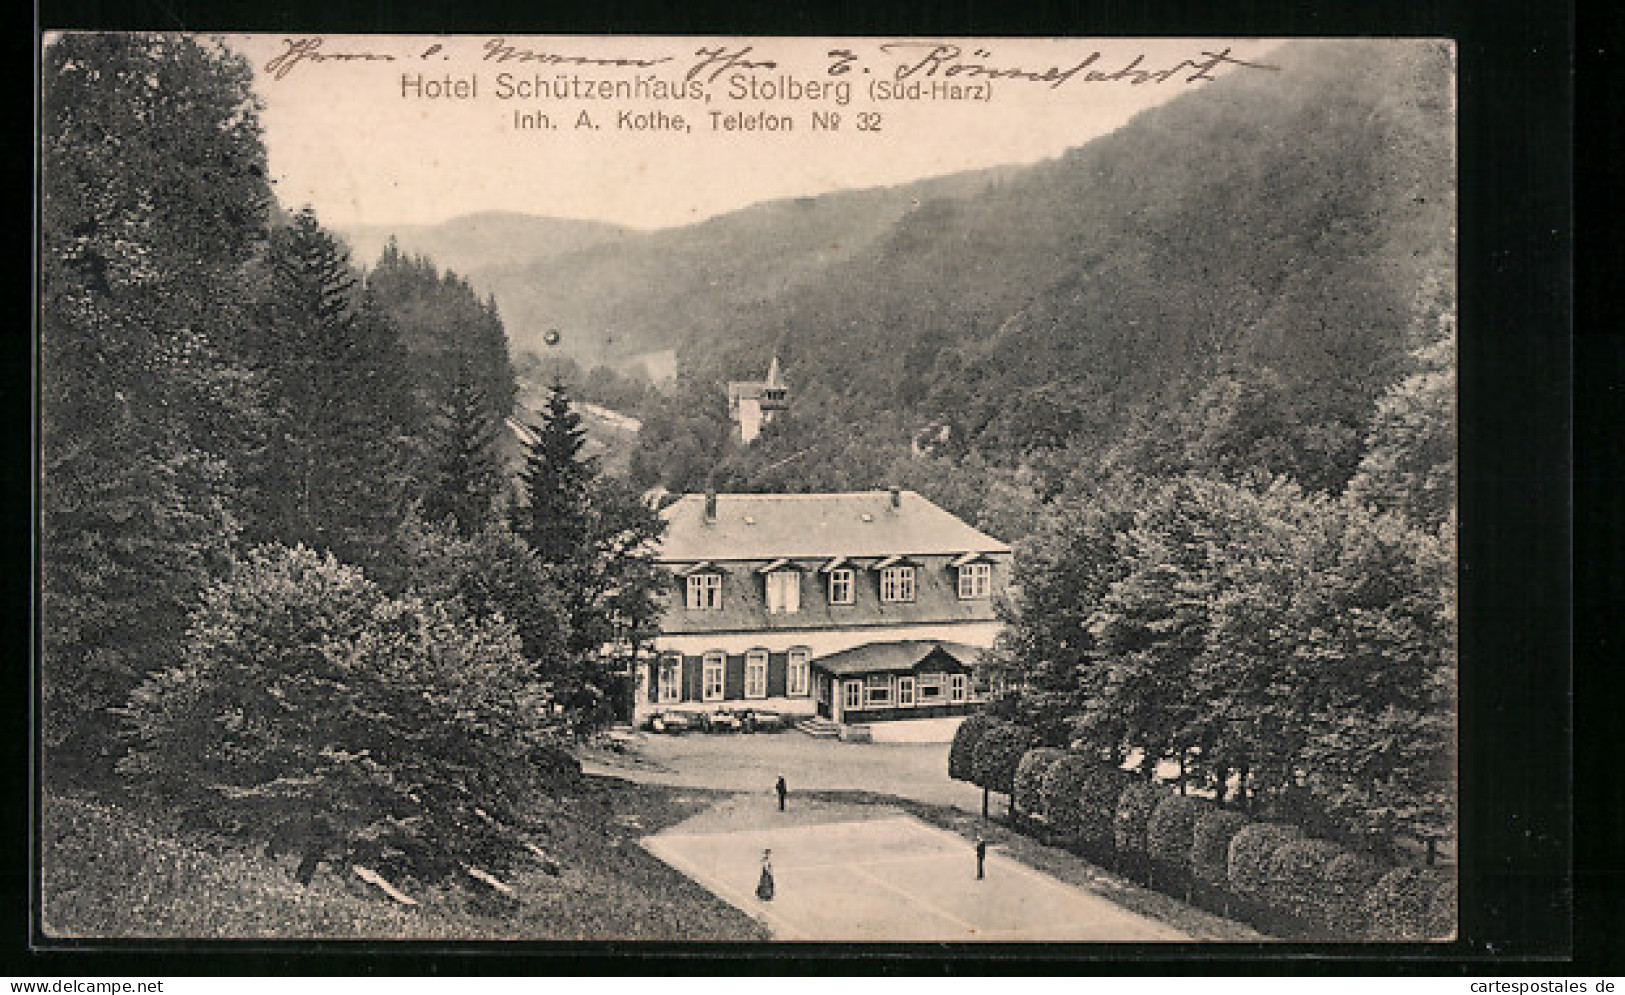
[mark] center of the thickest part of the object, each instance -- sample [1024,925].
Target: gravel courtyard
[751,763]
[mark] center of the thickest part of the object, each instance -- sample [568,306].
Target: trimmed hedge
[1400,905]
[1172,828]
[962,752]
[993,766]
[1250,853]
[1134,808]
[1097,803]
[1029,779]
[1297,877]
[1349,876]
[1441,921]
[1062,791]
[1210,845]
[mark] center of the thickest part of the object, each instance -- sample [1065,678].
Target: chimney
[896,499]
[710,506]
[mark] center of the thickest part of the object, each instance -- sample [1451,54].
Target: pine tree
[461,377]
[463,473]
[337,460]
[597,537]
[555,478]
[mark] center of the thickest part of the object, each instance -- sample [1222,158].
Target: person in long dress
[764,884]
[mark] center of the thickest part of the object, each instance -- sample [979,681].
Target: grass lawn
[115,871]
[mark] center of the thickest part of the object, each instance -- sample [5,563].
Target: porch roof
[900,657]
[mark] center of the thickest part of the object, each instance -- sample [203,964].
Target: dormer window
[975,580]
[784,592]
[897,584]
[842,586]
[704,592]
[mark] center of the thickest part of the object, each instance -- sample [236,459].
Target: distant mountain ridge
[613,292]
[1246,265]
[474,242]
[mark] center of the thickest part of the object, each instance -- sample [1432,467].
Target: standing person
[764,884]
[783,789]
[981,857]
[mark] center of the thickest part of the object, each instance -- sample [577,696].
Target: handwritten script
[901,60]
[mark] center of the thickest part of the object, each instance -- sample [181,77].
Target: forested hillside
[1226,284]
[288,592]
[614,292]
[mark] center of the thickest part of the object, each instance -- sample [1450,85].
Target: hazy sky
[347,137]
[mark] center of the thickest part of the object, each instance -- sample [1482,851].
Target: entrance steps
[819,727]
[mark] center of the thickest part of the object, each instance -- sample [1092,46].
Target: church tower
[754,403]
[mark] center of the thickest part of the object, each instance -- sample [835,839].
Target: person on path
[783,789]
[981,857]
[764,884]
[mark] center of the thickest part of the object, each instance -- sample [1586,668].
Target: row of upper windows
[897,585]
[798,683]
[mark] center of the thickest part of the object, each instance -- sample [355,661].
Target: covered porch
[886,681]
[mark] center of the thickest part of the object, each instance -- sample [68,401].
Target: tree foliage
[336,470]
[1135,806]
[1266,637]
[1406,904]
[1298,880]
[462,380]
[152,202]
[1098,799]
[999,750]
[1027,788]
[1251,851]
[314,712]
[492,574]
[1410,453]
[1170,833]
[1210,844]
[596,535]
[1061,793]
[962,751]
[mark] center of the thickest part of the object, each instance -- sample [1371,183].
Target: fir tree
[336,464]
[464,474]
[596,536]
[555,478]
[153,199]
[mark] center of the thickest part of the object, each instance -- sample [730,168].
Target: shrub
[1250,853]
[1349,876]
[1171,829]
[1442,910]
[1097,803]
[1061,791]
[1210,845]
[1399,906]
[1134,808]
[997,753]
[962,753]
[1029,780]
[315,713]
[1297,877]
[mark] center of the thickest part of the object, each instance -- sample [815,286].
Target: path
[872,873]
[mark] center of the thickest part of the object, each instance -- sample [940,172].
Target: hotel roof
[806,526]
